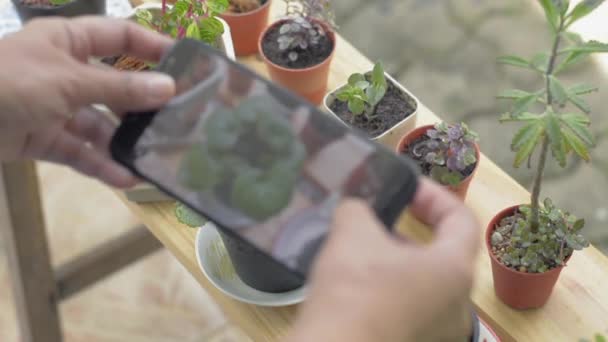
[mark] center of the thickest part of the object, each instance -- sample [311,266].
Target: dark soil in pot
[244,6]
[425,166]
[392,109]
[258,270]
[29,9]
[306,58]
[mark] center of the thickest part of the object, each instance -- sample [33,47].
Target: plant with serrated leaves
[303,29]
[196,19]
[563,123]
[450,149]
[538,251]
[362,93]
[538,238]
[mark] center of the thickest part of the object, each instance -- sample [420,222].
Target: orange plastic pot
[519,290]
[461,189]
[246,28]
[310,83]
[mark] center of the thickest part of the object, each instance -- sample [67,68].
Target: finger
[69,150]
[101,36]
[92,126]
[454,223]
[121,91]
[355,220]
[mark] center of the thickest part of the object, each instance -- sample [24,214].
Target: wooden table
[578,307]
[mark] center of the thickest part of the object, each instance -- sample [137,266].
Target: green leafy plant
[60,2]
[363,93]
[251,155]
[448,151]
[196,19]
[303,29]
[561,126]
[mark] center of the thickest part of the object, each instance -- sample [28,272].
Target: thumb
[122,91]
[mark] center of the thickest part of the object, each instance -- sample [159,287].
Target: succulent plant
[301,32]
[363,95]
[596,338]
[250,153]
[450,149]
[558,235]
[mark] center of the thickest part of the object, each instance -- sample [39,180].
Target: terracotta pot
[391,136]
[310,83]
[519,290]
[72,9]
[461,189]
[247,28]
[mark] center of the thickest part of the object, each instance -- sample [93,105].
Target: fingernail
[159,87]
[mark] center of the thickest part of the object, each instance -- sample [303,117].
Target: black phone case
[398,193]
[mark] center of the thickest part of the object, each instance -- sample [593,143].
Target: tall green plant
[556,127]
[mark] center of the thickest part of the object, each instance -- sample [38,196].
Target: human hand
[47,88]
[370,286]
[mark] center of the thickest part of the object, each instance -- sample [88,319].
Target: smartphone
[264,165]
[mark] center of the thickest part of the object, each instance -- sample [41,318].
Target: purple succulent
[450,150]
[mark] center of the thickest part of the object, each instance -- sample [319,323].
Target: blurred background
[444,51]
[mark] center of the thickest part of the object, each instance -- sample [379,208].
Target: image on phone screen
[259,161]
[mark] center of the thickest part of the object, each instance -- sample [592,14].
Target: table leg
[32,275]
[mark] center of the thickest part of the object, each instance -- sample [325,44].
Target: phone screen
[258,161]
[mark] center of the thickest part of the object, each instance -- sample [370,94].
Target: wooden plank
[578,307]
[103,260]
[31,271]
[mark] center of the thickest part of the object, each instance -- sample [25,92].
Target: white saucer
[215,264]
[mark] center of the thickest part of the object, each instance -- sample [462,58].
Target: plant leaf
[522,104]
[188,217]
[580,103]
[355,78]
[540,61]
[525,116]
[577,144]
[378,75]
[592,46]
[551,13]
[578,225]
[557,90]
[514,94]
[356,106]
[193,32]
[582,89]
[375,93]
[525,142]
[556,139]
[583,9]
[515,61]
[579,123]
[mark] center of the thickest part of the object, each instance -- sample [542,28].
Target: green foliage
[194,19]
[544,236]
[557,237]
[188,217]
[450,150]
[251,159]
[364,93]
[60,2]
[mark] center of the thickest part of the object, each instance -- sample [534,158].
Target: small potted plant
[530,244]
[247,20]
[250,186]
[449,154]
[298,49]
[375,104]
[29,9]
[194,19]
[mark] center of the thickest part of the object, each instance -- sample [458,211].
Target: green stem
[534,219]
